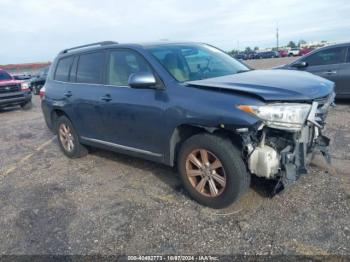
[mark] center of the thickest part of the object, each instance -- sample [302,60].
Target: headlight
[281,116]
[25,86]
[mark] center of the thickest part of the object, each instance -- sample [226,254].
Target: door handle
[68,94]
[330,72]
[106,98]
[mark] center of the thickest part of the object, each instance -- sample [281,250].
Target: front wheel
[212,170]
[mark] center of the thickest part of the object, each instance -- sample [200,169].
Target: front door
[133,116]
[327,63]
[344,77]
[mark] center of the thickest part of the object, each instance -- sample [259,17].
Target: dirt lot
[269,63]
[107,203]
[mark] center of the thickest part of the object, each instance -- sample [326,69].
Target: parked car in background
[267,54]
[331,62]
[252,55]
[24,76]
[241,56]
[293,52]
[38,81]
[304,51]
[283,53]
[13,92]
[192,106]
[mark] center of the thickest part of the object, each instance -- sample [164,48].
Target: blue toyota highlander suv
[192,106]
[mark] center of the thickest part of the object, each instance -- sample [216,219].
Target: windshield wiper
[243,71]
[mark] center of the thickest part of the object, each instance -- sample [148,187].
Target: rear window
[4,75]
[90,68]
[63,67]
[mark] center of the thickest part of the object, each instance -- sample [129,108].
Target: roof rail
[88,45]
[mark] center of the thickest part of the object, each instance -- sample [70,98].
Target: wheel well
[55,114]
[183,132]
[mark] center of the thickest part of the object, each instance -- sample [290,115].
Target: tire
[27,105]
[71,148]
[237,179]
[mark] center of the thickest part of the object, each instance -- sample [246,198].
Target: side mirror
[299,65]
[142,80]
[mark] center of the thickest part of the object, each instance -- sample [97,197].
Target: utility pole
[277,37]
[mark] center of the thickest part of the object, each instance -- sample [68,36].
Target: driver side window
[327,57]
[123,63]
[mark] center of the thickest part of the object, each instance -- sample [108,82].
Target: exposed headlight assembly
[287,116]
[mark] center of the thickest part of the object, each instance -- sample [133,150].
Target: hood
[10,82]
[272,85]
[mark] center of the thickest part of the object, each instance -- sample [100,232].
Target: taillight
[42,92]
[25,86]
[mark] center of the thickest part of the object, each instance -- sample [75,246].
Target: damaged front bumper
[284,155]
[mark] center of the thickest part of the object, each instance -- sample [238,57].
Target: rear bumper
[47,109]
[16,98]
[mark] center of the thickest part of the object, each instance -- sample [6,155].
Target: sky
[36,30]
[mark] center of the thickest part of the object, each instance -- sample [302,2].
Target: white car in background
[293,52]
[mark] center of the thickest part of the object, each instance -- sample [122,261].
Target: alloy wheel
[205,172]
[66,137]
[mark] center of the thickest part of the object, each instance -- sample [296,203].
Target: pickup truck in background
[294,52]
[14,92]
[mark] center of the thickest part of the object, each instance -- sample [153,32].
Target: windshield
[195,61]
[4,76]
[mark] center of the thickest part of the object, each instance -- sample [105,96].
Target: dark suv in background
[331,62]
[189,105]
[38,81]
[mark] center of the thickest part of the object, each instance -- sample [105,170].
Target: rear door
[85,93]
[326,63]
[343,85]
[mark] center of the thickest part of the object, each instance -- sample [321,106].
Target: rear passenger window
[90,68]
[327,57]
[62,70]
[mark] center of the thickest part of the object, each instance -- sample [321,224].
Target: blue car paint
[147,119]
[272,85]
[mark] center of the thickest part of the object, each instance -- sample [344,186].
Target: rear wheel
[212,170]
[68,139]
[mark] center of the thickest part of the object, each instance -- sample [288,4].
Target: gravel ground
[108,203]
[269,63]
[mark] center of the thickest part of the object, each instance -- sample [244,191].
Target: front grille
[9,88]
